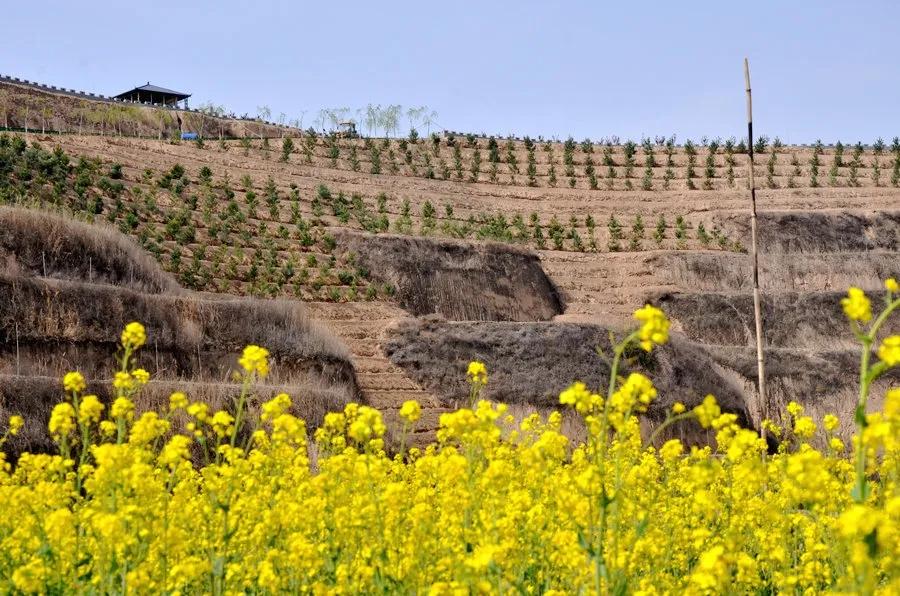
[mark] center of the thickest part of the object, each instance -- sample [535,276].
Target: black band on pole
[750,139]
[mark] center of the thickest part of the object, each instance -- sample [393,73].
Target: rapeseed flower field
[229,503]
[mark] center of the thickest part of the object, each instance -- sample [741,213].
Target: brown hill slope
[52,322]
[815,239]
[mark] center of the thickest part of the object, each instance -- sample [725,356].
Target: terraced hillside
[69,288]
[240,219]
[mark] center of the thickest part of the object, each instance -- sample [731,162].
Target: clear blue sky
[821,69]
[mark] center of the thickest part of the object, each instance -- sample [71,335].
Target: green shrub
[762,141]
[532,167]
[615,234]
[660,233]
[287,147]
[457,162]
[403,224]
[493,151]
[521,233]
[691,152]
[647,181]
[428,220]
[375,159]
[702,235]
[475,168]
[556,233]
[680,233]
[770,170]
[637,234]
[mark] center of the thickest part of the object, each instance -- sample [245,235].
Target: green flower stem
[867,374]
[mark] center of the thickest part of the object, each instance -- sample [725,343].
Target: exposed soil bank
[531,363]
[461,281]
[820,231]
[809,320]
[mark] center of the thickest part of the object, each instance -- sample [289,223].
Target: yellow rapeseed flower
[73,382]
[654,327]
[671,450]
[891,285]
[16,423]
[411,411]
[222,423]
[255,360]
[199,411]
[578,396]
[122,407]
[141,376]
[857,306]
[62,420]
[175,451]
[892,404]
[123,381]
[276,406]
[134,335]
[678,408]
[107,428]
[889,350]
[477,373]
[707,411]
[147,428]
[89,410]
[804,427]
[178,401]
[367,425]
[830,422]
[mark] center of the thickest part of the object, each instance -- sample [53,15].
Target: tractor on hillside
[346,130]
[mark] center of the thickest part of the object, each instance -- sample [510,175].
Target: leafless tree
[428,118]
[264,113]
[413,115]
[373,118]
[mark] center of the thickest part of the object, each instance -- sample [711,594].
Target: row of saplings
[431,164]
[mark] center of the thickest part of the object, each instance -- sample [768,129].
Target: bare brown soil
[433,276]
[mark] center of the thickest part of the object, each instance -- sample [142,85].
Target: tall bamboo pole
[757,315]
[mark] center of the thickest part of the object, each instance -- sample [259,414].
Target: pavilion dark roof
[148,88]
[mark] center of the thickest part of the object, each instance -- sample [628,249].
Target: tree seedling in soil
[660,233]
[680,233]
[615,234]
[637,234]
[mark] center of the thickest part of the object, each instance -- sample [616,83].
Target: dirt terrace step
[392,381]
[388,399]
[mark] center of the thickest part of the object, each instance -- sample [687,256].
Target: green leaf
[586,544]
[861,492]
[871,541]
[641,527]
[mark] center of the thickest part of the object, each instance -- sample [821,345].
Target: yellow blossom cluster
[654,327]
[255,359]
[857,306]
[230,503]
